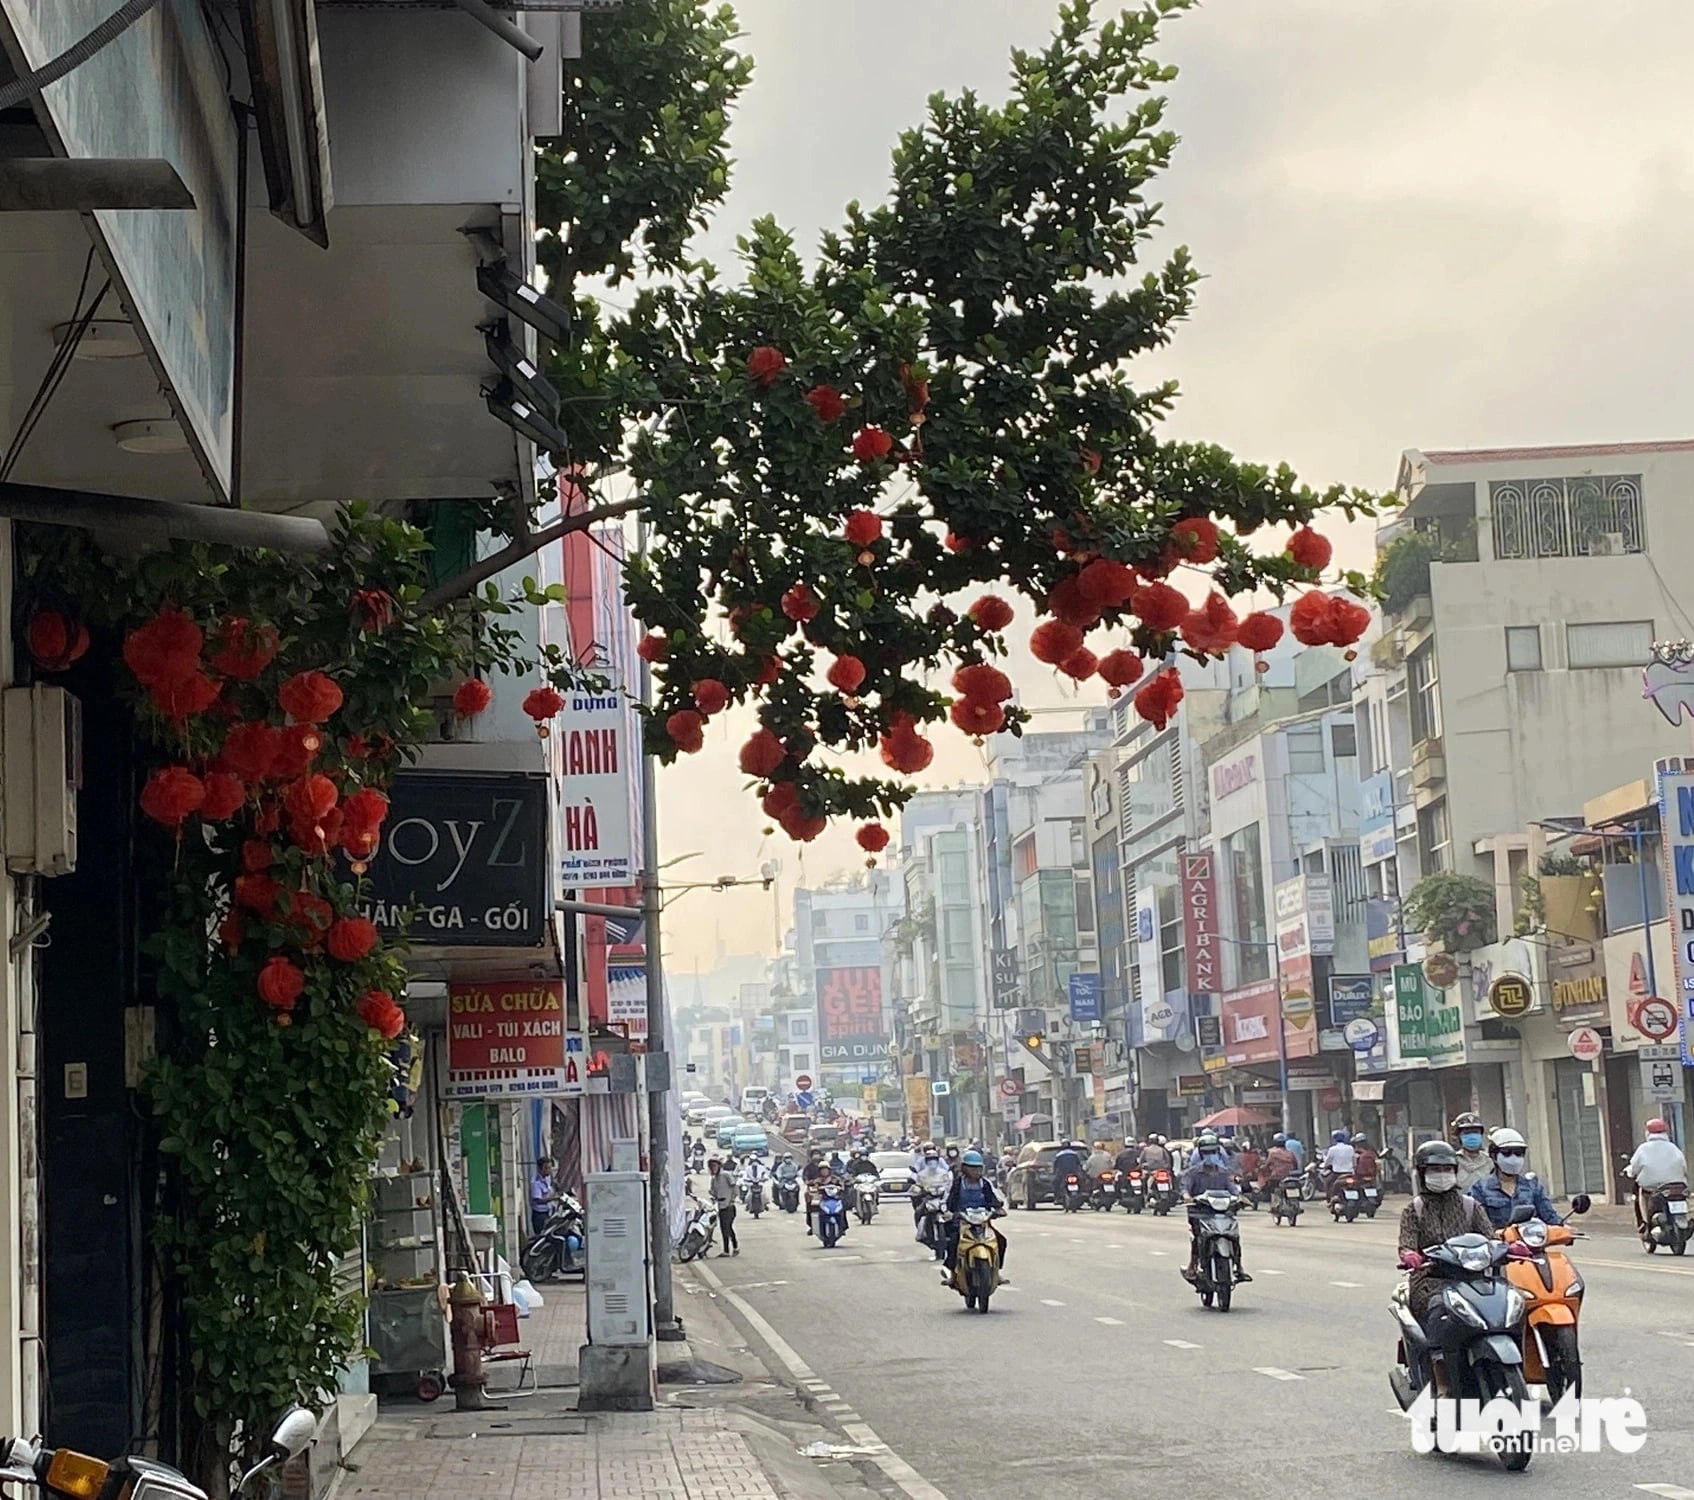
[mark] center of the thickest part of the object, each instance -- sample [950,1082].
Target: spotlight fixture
[104,338]
[548,318]
[153,435]
[523,418]
[519,369]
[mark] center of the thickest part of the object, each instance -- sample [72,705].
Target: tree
[941,403]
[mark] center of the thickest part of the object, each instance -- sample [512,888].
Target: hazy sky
[1453,223]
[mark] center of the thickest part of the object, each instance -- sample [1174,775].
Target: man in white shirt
[1340,1159]
[1658,1160]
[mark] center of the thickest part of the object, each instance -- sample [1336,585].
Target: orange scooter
[1552,1290]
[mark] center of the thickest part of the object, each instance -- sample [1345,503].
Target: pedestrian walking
[723,1194]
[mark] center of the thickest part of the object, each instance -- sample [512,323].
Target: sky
[1446,224]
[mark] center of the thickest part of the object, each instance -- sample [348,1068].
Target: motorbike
[79,1476]
[1312,1186]
[1161,1196]
[1539,1269]
[1219,1256]
[930,1210]
[1370,1196]
[1286,1201]
[1391,1171]
[976,1267]
[557,1250]
[866,1193]
[785,1193]
[1105,1192]
[830,1214]
[702,1227]
[1071,1193]
[753,1195]
[1473,1347]
[1344,1200]
[1132,1190]
[1667,1219]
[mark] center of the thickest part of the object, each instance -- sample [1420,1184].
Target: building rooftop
[1554,450]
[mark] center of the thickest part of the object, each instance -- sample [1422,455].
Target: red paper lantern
[1053,640]
[1312,619]
[374,609]
[257,894]
[904,749]
[1080,664]
[281,983]
[543,703]
[872,838]
[471,697]
[1259,631]
[862,527]
[991,612]
[980,680]
[297,747]
[224,796]
[801,828]
[171,794]
[55,642]
[181,698]
[871,445]
[1309,549]
[687,730]
[350,938]
[1211,628]
[376,1008]
[310,799]
[244,649]
[826,402]
[769,669]
[309,697]
[1120,669]
[779,799]
[1159,606]
[231,931]
[1158,700]
[1196,539]
[846,674]
[762,754]
[165,649]
[977,716]
[710,696]
[1106,583]
[362,815]
[800,604]
[765,363]
[653,647]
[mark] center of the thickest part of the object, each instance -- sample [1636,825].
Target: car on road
[751,1138]
[796,1129]
[1030,1182]
[824,1137]
[725,1134]
[893,1172]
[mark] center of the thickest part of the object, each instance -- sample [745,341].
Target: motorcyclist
[814,1175]
[1129,1159]
[1099,1160]
[1067,1162]
[859,1166]
[1511,1183]
[920,1152]
[1658,1161]
[1438,1211]
[1364,1158]
[951,1156]
[1156,1155]
[1279,1164]
[1468,1136]
[754,1175]
[971,1189]
[932,1179]
[786,1169]
[1340,1158]
[1298,1147]
[1207,1173]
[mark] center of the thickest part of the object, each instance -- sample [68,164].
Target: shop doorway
[1581,1148]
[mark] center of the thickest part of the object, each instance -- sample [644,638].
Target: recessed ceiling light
[154,435]
[105,338]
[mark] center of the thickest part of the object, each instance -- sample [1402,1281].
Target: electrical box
[41,743]
[619,1308]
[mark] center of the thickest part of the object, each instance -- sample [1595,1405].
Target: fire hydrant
[469,1378]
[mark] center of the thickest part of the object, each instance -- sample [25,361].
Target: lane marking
[1111,1322]
[1049,1302]
[1114,1247]
[1276,1374]
[1266,1271]
[1355,1285]
[1181,1344]
[1669,1491]
[1158,1252]
[901,1474]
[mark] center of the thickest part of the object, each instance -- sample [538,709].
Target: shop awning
[1025,1121]
[1235,1118]
[1369,1090]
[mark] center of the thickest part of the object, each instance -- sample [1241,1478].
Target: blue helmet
[1339,1137]
[971,1159]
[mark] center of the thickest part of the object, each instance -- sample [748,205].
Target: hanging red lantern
[249,751]
[710,696]
[687,730]
[165,649]
[991,613]
[1081,664]
[350,938]
[1212,628]
[1053,640]
[826,402]
[1159,699]
[171,794]
[225,795]
[181,698]
[977,716]
[1120,669]
[871,445]
[846,674]
[309,697]
[872,838]
[762,754]
[1196,539]
[1309,549]
[244,649]
[297,747]
[281,983]
[1159,606]
[1259,631]
[800,604]
[862,527]
[471,697]
[541,704]
[980,680]
[376,1008]
[55,642]
[653,647]
[764,364]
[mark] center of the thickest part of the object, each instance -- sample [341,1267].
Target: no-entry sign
[802,1083]
[1655,1018]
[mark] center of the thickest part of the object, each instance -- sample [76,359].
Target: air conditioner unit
[617,1258]
[1606,544]
[42,746]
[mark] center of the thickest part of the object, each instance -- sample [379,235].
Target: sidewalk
[731,1434]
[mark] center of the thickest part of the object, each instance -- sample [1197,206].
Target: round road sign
[802,1083]
[1655,1018]
[1585,1044]
[1441,970]
[1010,1088]
[1510,996]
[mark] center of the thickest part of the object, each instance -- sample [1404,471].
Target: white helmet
[1507,1139]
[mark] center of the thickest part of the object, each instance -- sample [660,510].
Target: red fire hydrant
[469,1377]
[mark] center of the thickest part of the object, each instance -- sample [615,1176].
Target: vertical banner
[1084,994]
[1200,923]
[1410,1002]
[507,1040]
[1676,824]
[596,839]
[851,1029]
[1007,981]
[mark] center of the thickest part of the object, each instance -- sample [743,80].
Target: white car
[893,1173]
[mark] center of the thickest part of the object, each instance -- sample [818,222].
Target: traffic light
[1035,1041]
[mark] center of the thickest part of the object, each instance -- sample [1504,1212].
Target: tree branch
[526,545]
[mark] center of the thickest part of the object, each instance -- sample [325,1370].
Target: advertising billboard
[507,1039]
[596,833]
[851,1028]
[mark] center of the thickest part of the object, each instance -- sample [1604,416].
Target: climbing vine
[275,698]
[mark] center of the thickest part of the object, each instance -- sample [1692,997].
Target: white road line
[1276,1374]
[1181,1344]
[907,1479]
[1355,1285]
[1114,1247]
[1111,1322]
[1158,1252]
[1669,1491]
[1049,1302]
[1266,1271]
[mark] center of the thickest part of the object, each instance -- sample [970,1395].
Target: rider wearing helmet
[1658,1161]
[1279,1164]
[931,1177]
[1207,1173]
[1511,1183]
[1468,1136]
[1155,1155]
[971,1189]
[1067,1162]
[1364,1158]
[1340,1157]
[1437,1212]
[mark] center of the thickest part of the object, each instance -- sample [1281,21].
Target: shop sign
[595,819]
[1376,818]
[1509,996]
[508,1040]
[851,1028]
[1351,996]
[464,857]
[1382,936]
[1192,1085]
[626,1000]
[1676,824]
[1441,970]
[1003,972]
[1199,922]
[1231,776]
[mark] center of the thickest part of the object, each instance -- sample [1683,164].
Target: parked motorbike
[866,1195]
[702,1227]
[78,1476]
[1132,1190]
[830,1214]
[1391,1171]
[1539,1269]
[1286,1201]
[1105,1192]
[1071,1193]
[785,1193]
[1667,1219]
[1473,1348]
[976,1267]
[1313,1188]
[1344,1199]
[1161,1196]
[929,1224]
[1219,1256]
[557,1250]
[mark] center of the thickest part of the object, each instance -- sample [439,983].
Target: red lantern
[1159,606]
[862,527]
[374,609]
[1259,631]
[244,649]
[871,445]
[1106,583]
[55,643]
[801,828]
[687,730]
[764,364]
[310,799]
[1068,603]
[257,894]
[1081,664]
[762,754]
[800,604]
[826,402]
[1309,549]
[311,917]
[297,747]
[231,931]
[977,716]
[991,612]
[769,669]
[362,814]
[224,796]
[1196,539]
[256,855]
[872,838]
[165,649]
[779,799]
[1211,628]
[846,674]
[904,749]
[543,703]
[1158,700]
[1120,669]
[710,696]
[980,680]
[1312,619]
[250,750]
[376,1008]
[351,938]
[171,794]
[653,647]
[471,697]
[181,698]
[953,542]
[1053,640]
[309,697]
[281,983]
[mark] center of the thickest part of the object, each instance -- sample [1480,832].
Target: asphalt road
[1098,1375]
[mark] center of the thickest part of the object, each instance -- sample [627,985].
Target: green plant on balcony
[1402,567]
[1453,910]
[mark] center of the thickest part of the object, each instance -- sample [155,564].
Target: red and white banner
[1200,923]
[508,1040]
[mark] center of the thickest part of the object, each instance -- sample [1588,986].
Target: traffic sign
[1297,1009]
[1656,1018]
[1510,996]
[1010,1088]
[1585,1044]
[1661,1080]
[941,1088]
[802,1083]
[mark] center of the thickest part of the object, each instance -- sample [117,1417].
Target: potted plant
[1452,910]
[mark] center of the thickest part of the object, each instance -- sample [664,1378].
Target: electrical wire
[55,372]
[74,56]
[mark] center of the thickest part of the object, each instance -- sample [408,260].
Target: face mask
[1440,1182]
[1471,1140]
[1510,1165]
[1211,1158]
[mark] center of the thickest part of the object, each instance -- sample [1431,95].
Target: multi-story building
[840,966]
